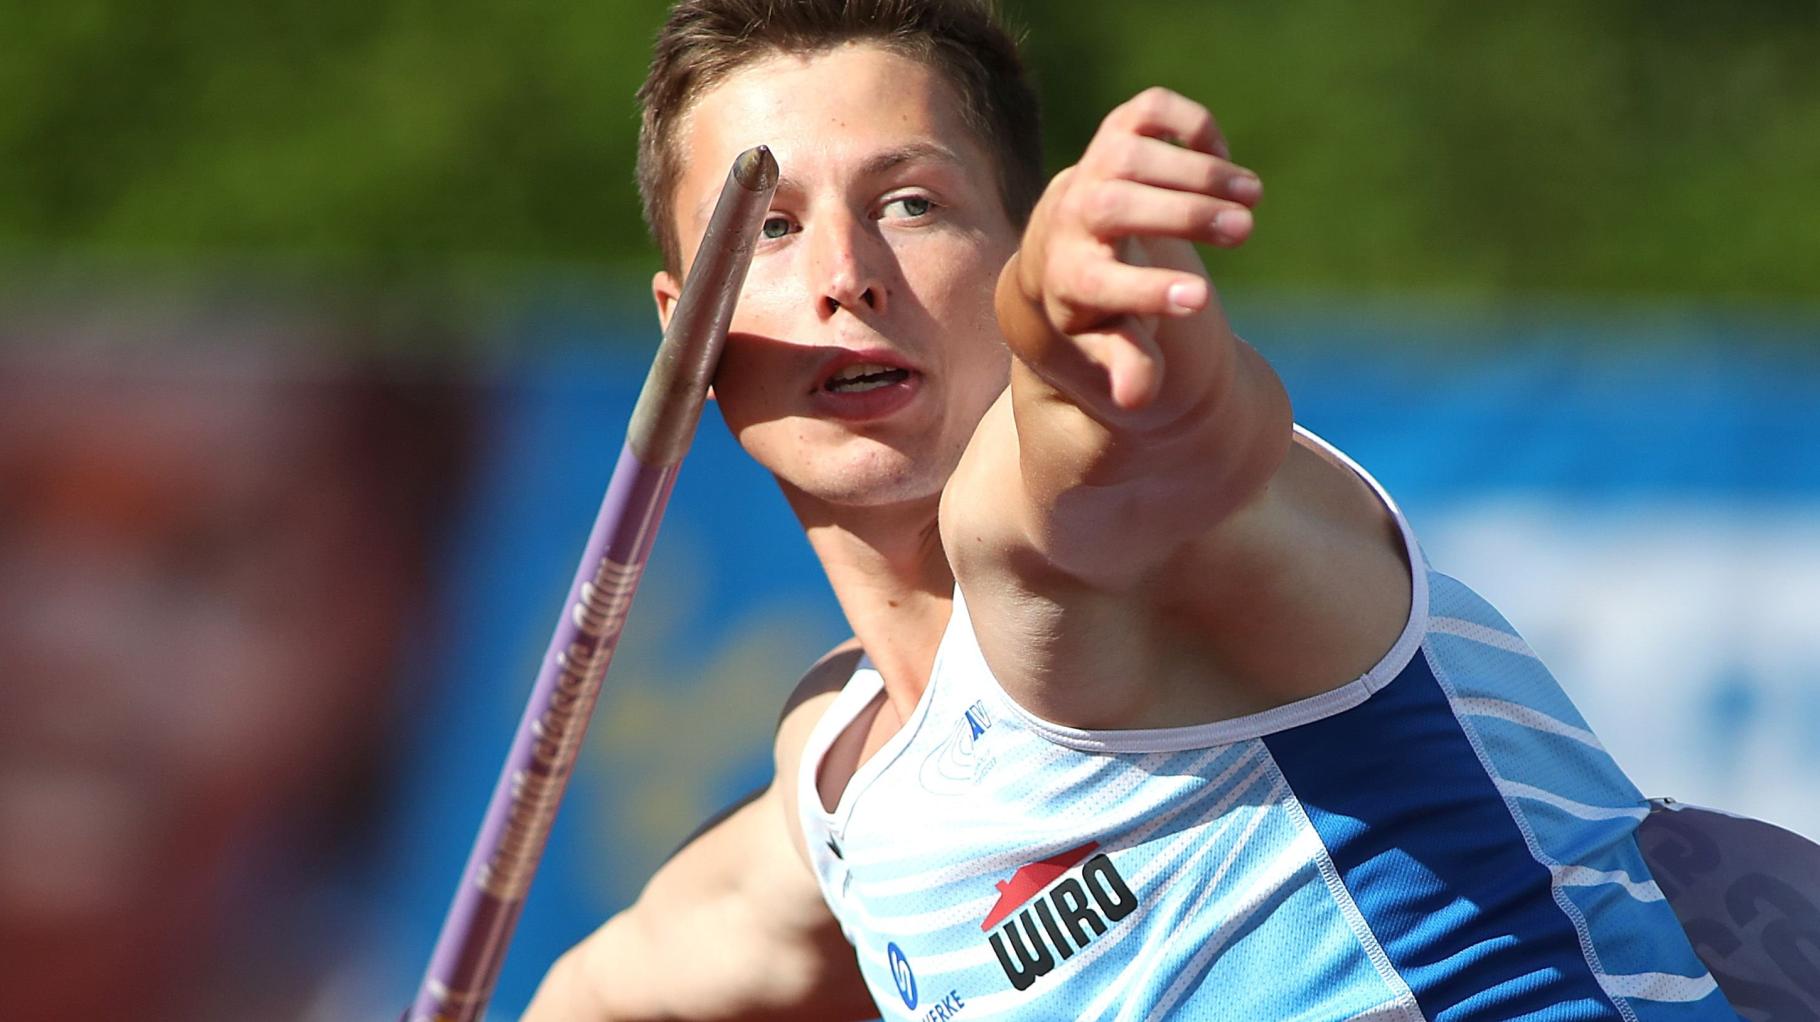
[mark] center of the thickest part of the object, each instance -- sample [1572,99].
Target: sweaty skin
[941,400]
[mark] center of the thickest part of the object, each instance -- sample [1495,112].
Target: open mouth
[863,376]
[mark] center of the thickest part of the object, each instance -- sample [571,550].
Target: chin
[877,478]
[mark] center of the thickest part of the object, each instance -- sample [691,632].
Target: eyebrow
[913,152]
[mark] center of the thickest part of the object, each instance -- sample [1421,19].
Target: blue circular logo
[901,975]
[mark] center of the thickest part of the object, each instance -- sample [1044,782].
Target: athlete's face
[864,349]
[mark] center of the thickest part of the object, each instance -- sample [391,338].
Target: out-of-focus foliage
[1661,148]
[356,133]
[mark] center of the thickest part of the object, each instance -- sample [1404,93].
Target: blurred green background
[1660,149]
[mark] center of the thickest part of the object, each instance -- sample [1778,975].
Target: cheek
[773,289]
[960,282]
[745,388]
[957,271]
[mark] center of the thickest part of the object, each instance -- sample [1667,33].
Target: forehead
[830,112]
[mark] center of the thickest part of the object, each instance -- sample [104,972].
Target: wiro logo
[1082,909]
[901,975]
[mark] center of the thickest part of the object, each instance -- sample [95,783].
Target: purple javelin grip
[472,945]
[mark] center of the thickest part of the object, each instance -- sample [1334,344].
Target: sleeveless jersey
[1442,838]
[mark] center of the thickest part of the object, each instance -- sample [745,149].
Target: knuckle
[1102,208]
[1141,108]
[1156,98]
[1194,216]
[1201,123]
[1058,284]
[1084,286]
[1117,121]
[1126,158]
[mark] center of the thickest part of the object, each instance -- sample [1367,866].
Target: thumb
[1133,363]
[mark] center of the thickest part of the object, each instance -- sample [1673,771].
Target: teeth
[864,376]
[859,369]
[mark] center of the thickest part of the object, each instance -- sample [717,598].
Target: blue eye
[776,227]
[913,205]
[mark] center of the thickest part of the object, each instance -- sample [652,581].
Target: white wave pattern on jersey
[1444,838]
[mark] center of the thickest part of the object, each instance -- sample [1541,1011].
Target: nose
[848,267]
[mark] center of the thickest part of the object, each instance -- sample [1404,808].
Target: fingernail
[1232,222]
[1186,296]
[1245,188]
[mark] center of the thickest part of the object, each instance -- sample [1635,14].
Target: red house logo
[1044,914]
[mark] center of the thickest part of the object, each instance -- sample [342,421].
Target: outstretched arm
[1131,397]
[1142,541]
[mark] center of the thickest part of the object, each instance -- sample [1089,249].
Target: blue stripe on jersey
[1438,868]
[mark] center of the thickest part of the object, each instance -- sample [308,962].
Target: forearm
[708,963]
[732,927]
[573,991]
[1216,431]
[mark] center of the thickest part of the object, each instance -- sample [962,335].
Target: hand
[1106,288]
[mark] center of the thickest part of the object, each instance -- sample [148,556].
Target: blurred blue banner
[1641,497]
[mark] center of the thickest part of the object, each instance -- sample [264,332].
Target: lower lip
[867,405]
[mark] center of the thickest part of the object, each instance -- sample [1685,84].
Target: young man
[1154,709]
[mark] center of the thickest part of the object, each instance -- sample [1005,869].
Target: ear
[664,291]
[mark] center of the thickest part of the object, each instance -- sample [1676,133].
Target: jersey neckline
[866,685]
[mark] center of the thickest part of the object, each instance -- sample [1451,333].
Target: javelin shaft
[471,946]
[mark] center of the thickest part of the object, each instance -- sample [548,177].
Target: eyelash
[927,202]
[764,229]
[791,227]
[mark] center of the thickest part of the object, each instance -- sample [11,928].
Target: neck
[891,576]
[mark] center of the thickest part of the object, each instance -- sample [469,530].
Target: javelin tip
[755,169]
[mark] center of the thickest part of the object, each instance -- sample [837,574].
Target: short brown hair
[704,41]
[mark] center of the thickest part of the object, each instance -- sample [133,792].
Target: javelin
[472,945]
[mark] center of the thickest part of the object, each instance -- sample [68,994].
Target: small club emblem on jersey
[901,975]
[978,720]
[1062,911]
[958,761]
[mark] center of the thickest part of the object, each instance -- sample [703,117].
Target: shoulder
[809,700]
[807,704]
[1302,588]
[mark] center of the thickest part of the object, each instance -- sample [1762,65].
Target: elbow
[1266,427]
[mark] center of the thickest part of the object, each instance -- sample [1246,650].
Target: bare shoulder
[810,700]
[1302,588]
[1318,543]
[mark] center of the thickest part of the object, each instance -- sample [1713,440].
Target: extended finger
[1153,161]
[1116,209]
[1162,113]
[1098,291]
